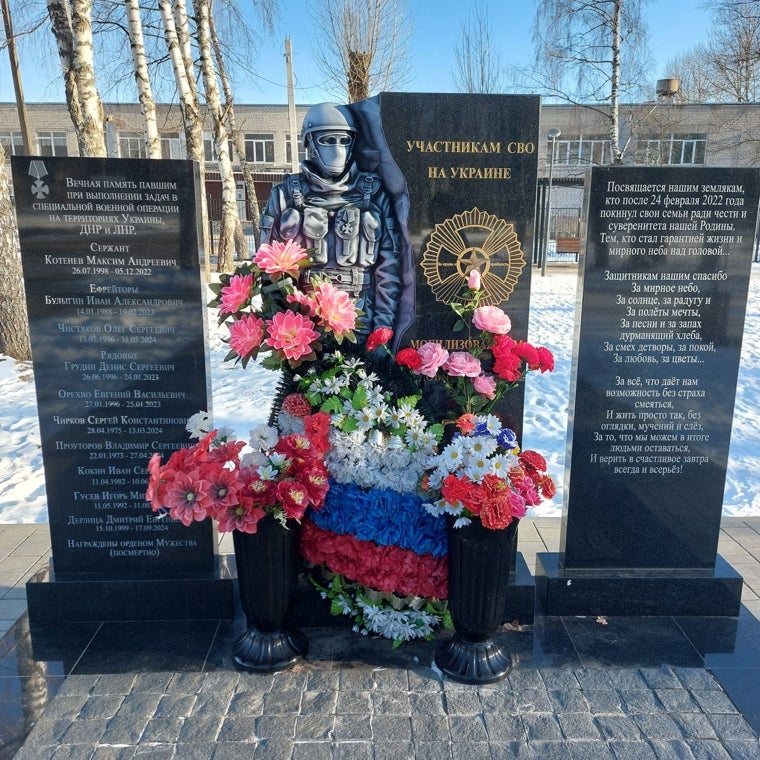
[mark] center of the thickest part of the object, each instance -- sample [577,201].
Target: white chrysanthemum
[451,457]
[406,414]
[365,418]
[199,424]
[482,446]
[462,522]
[333,385]
[394,417]
[477,469]
[379,411]
[263,437]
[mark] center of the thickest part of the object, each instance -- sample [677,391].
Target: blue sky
[674,26]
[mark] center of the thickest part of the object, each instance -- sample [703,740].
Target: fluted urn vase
[479,563]
[267,568]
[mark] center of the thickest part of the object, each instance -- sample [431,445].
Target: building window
[259,149]
[671,149]
[52,144]
[586,150]
[132,145]
[171,147]
[288,151]
[13,143]
[209,150]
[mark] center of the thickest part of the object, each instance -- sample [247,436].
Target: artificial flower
[236,294]
[462,364]
[432,356]
[378,338]
[491,319]
[246,335]
[291,334]
[279,258]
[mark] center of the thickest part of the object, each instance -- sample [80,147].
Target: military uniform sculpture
[344,215]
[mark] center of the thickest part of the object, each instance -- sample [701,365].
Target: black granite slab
[469,166]
[111,262]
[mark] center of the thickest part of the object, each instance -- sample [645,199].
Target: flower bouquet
[474,381]
[281,476]
[267,311]
[481,473]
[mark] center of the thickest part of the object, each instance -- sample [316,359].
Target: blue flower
[507,439]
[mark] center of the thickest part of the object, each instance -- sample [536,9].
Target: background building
[663,132]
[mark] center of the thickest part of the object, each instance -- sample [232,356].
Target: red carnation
[527,353]
[545,359]
[408,357]
[379,338]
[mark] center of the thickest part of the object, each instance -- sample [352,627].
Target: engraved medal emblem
[473,240]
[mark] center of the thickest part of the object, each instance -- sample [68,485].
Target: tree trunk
[142,80]
[229,201]
[252,202]
[192,120]
[617,152]
[60,21]
[14,326]
[93,132]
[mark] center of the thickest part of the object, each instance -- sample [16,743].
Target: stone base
[703,593]
[205,597]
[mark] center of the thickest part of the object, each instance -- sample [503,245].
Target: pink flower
[188,498]
[304,300]
[473,281]
[280,258]
[292,334]
[485,385]
[335,308]
[235,295]
[240,517]
[462,364]
[246,335]
[433,356]
[491,319]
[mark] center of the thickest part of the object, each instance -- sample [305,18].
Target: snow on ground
[241,400]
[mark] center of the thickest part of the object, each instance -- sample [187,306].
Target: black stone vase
[267,568]
[479,562]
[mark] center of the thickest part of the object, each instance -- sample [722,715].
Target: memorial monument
[661,304]
[110,256]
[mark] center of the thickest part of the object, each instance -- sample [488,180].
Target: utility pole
[26,135]
[294,163]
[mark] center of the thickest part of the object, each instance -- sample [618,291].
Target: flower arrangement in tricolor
[268,310]
[483,474]
[281,476]
[476,379]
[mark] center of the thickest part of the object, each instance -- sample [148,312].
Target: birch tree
[237,137]
[142,79]
[592,52]
[229,219]
[14,327]
[93,139]
[361,45]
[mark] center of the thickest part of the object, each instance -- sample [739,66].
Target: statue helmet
[328,134]
[327,117]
